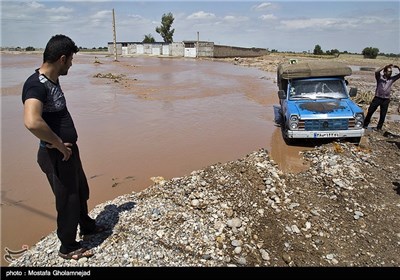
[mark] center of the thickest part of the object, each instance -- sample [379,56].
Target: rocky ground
[344,210]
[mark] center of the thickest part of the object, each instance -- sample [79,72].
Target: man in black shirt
[47,117]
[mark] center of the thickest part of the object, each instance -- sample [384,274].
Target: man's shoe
[77,254]
[98,229]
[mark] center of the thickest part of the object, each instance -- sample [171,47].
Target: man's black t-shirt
[55,112]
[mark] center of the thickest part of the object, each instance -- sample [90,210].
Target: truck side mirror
[353,92]
[282,94]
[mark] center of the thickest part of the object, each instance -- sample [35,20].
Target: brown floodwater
[163,117]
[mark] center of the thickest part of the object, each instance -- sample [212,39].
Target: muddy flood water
[159,117]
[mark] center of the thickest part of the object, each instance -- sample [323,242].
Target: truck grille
[333,124]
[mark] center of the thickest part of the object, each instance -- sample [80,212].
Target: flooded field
[163,117]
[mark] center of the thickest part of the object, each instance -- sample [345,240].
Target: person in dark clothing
[47,117]
[384,82]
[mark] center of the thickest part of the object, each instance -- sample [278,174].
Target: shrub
[370,52]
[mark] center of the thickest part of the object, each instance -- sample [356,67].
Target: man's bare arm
[37,126]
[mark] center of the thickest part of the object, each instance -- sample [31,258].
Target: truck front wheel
[288,141]
[355,140]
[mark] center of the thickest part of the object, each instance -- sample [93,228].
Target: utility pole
[115,37]
[197,47]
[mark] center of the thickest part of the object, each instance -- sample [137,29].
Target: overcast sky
[281,25]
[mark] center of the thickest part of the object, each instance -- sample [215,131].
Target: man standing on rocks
[47,117]
[384,82]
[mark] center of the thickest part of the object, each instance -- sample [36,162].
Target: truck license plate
[325,135]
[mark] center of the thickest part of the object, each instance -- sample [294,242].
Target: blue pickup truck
[315,102]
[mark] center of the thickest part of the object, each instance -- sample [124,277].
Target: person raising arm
[384,82]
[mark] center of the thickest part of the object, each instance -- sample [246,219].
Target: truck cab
[316,103]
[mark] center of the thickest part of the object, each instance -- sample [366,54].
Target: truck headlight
[294,122]
[359,120]
[360,116]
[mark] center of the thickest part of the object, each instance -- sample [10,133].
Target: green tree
[318,50]
[148,39]
[30,48]
[334,52]
[370,52]
[165,29]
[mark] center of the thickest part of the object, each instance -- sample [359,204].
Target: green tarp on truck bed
[312,69]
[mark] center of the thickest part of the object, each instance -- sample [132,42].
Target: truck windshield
[317,89]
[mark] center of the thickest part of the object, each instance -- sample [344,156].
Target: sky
[295,26]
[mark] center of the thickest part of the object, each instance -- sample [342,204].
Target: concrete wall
[205,49]
[177,49]
[132,48]
[166,50]
[228,51]
[111,48]
[148,48]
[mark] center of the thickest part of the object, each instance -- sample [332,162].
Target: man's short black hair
[387,67]
[58,46]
